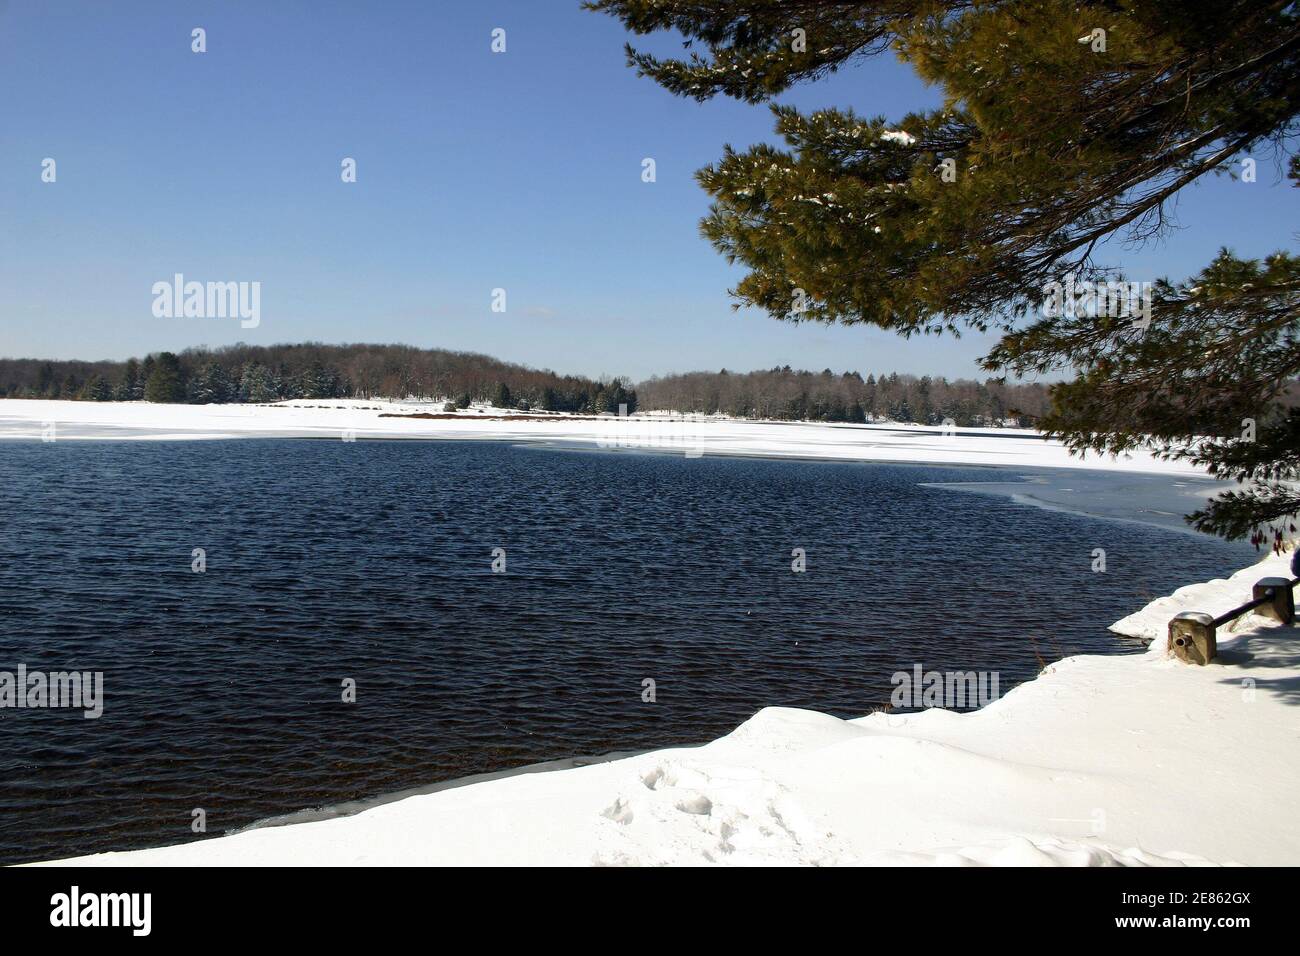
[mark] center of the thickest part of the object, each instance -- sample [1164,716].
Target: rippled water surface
[373,561]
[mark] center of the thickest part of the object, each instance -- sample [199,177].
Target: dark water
[372,561]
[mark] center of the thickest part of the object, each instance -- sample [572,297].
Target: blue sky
[476,170]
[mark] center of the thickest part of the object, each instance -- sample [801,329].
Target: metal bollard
[1192,637]
[1282,606]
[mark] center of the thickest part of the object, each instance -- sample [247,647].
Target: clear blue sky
[476,170]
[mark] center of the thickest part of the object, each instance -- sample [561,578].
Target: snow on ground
[361,419]
[1102,760]
[1214,597]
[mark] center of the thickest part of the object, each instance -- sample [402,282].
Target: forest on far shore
[259,374]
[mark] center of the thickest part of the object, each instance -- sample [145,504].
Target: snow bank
[1214,597]
[1125,760]
[362,419]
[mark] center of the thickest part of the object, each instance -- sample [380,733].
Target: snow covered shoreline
[1136,487]
[357,419]
[1125,760]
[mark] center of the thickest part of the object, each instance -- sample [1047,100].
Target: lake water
[329,562]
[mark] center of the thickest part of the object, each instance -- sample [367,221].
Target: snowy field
[1121,760]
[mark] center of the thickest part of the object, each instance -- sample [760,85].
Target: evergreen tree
[1064,124]
[165,383]
[210,385]
[320,382]
[257,383]
[1212,379]
[131,387]
[617,394]
[96,389]
[924,409]
[502,397]
[45,380]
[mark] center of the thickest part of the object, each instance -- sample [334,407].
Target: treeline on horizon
[258,374]
[793,395]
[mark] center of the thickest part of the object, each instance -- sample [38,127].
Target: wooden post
[1282,607]
[1192,637]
